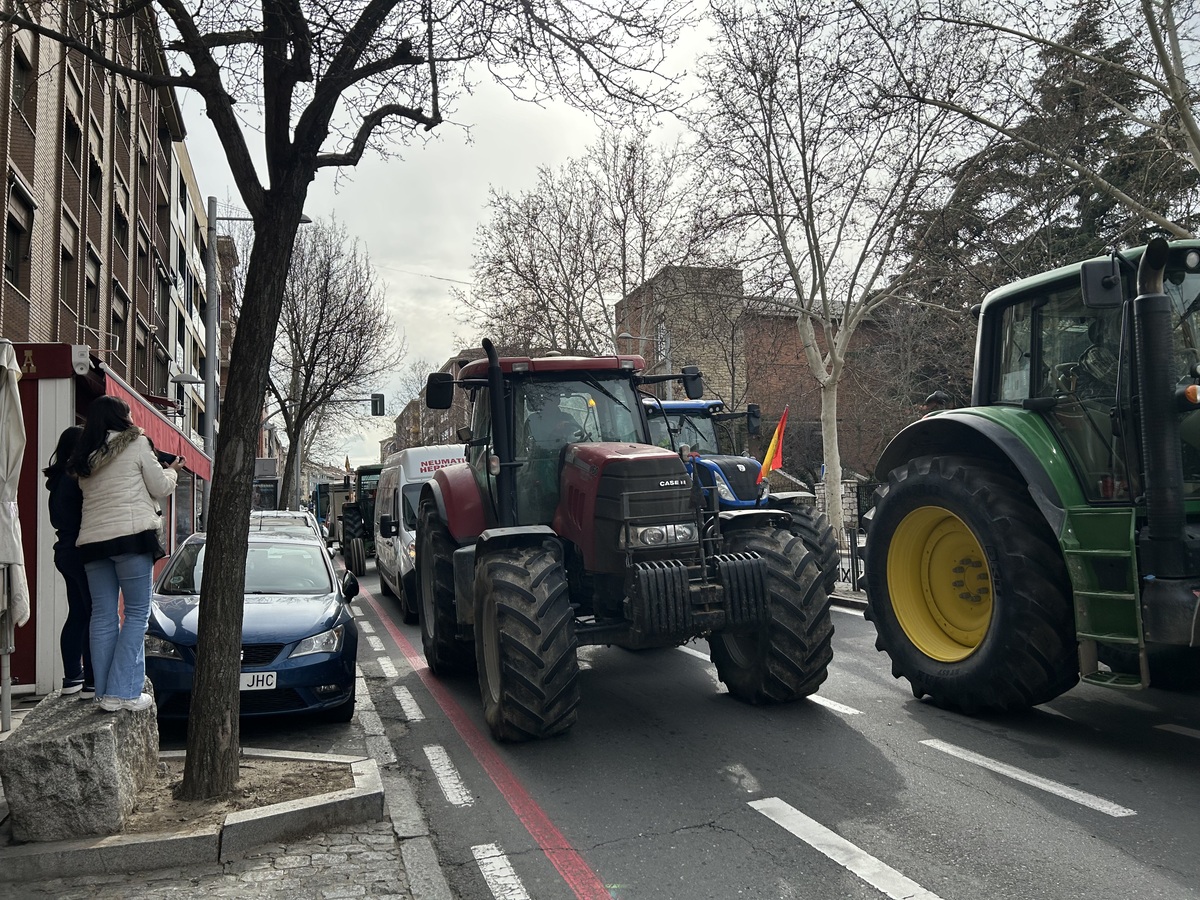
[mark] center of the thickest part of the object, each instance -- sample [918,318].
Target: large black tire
[356,557]
[968,589]
[816,532]
[410,602]
[445,654]
[525,648]
[788,656]
[352,523]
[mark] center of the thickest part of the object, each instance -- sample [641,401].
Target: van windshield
[411,496]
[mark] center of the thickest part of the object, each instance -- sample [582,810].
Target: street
[668,788]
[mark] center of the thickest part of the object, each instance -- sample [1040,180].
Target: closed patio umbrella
[14,589]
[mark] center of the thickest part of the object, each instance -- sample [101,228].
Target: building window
[67,277]
[24,96]
[121,114]
[15,254]
[73,143]
[91,295]
[121,229]
[95,180]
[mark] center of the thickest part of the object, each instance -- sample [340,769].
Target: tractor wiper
[590,380]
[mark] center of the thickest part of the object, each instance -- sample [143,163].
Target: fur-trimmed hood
[112,447]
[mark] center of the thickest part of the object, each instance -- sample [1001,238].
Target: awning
[158,428]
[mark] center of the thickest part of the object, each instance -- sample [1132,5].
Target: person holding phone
[121,479]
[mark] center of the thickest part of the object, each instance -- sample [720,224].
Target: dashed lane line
[1180,729]
[375,643]
[848,611]
[366,627]
[387,666]
[828,704]
[408,703]
[1044,784]
[874,872]
[447,776]
[498,872]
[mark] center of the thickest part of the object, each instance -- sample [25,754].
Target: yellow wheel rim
[940,584]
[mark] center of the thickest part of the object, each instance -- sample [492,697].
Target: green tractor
[1051,530]
[358,519]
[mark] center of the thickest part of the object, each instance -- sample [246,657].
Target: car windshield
[280,567]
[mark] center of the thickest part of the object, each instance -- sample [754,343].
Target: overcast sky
[417,212]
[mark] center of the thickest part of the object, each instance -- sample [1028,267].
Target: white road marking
[408,703]
[696,653]
[355,611]
[1054,712]
[447,776]
[874,872]
[499,874]
[834,705]
[374,643]
[845,610]
[1052,787]
[712,670]
[366,627]
[1180,729]
[388,667]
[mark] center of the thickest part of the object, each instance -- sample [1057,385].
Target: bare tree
[336,340]
[814,174]
[330,81]
[1165,37]
[550,263]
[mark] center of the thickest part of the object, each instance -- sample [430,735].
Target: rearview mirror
[349,587]
[753,419]
[693,382]
[439,390]
[1100,280]
[465,434]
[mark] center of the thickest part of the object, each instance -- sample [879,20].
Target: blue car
[299,639]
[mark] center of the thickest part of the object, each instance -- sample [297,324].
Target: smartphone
[165,459]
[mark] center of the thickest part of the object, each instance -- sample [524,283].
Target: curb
[852,600]
[241,831]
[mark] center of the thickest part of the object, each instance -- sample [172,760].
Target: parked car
[299,639]
[287,521]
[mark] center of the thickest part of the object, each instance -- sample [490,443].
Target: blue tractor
[704,433]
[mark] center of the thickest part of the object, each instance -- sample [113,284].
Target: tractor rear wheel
[817,534]
[967,588]
[788,656]
[356,557]
[445,654]
[525,646]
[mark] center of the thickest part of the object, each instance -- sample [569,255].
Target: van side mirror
[753,419]
[1102,285]
[465,434]
[693,382]
[439,390]
[386,526]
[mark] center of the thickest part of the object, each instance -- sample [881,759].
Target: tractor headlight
[659,535]
[326,642]
[723,490]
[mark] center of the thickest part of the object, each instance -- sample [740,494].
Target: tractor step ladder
[1099,547]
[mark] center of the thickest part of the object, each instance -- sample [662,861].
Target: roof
[697,406]
[544,364]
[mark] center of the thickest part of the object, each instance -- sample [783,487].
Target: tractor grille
[255,655]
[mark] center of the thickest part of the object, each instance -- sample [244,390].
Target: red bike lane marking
[585,883]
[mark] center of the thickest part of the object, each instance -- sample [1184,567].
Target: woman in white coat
[120,477]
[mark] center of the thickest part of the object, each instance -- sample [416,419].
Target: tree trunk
[287,486]
[833,456]
[211,767]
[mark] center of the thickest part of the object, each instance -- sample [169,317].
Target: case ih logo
[432,465]
[673,482]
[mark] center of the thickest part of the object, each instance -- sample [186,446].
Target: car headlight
[659,535]
[723,490]
[164,649]
[326,642]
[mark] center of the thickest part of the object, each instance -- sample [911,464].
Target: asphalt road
[668,788]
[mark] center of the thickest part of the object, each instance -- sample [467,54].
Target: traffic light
[377,405]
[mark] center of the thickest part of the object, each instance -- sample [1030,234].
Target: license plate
[258,681]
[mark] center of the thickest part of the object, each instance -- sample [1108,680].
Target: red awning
[158,428]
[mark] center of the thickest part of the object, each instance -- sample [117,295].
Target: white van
[396,539]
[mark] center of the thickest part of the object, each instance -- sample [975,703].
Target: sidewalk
[392,859]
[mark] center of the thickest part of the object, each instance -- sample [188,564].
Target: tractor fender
[791,498]
[1029,448]
[489,540]
[459,503]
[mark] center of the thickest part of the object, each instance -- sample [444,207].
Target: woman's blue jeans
[119,648]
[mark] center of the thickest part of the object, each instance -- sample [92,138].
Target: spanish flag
[773,459]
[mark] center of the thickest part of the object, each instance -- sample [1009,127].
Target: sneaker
[72,686]
[144,701]
[88,692]
[111,704]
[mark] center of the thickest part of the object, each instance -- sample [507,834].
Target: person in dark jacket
[66,514]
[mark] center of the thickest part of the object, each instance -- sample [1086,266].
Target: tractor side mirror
[385,526]
[439,390]
[1101,283]
[693,382]
[753,419]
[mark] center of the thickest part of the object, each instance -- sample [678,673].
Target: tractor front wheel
[525,646]
[445,654]
[816,532]
[356,557]
[967,588]
[788,656]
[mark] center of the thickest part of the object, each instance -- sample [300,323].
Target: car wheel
[343,712]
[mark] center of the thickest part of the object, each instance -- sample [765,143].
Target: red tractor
[565,527]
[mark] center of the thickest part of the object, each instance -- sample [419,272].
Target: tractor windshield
[568,408]
[696,430]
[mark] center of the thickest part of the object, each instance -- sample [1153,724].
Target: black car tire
[937,521]
[343,712]
[384,588]
[445,653]
[410,602]
[787,657]
[525,647]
